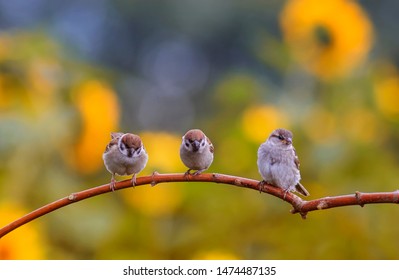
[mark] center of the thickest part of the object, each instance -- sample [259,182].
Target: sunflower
[328,38]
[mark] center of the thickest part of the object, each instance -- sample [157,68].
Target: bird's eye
[203,143]
[281,137]
[187,145]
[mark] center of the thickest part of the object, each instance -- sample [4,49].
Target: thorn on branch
[358,196]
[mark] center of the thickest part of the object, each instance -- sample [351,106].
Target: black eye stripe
[279,136]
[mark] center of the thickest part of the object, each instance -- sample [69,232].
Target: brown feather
[211,148]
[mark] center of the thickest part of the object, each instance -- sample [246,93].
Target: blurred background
[73,71]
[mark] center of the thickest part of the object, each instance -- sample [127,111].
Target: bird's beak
[287,141]
[195,145]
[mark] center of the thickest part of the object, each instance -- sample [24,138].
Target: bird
[124,155]
[278,163]
[196,151]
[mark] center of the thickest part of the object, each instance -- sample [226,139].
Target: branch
[299,205]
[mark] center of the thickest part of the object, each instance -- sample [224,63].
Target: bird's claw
[261,185]
[112,185]
[134,180]
[198,172]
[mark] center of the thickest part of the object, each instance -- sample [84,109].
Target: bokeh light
[387,94]
[28,243]
[99,110]
[259,121]
[72,72]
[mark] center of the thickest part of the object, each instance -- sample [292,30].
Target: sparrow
[278,163]
[124,155]
[196,151]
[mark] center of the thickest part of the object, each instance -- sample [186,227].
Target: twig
[300,206]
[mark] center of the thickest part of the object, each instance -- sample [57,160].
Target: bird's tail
[301,189]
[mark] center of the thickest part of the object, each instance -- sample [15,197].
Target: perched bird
[196,151]
[278,163]
[124,155]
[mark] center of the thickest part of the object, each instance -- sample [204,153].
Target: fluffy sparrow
[196,151]
[124,155]
[278,163]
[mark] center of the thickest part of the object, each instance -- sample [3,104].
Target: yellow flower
[163,150]
[215,255]
[329,38]
[259,121]
[24,243]
[99,110]
[155,201]
[386,92]
[5,97]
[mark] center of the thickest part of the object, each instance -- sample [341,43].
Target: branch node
[396,196]
[217,177]
[238,182]
[261,185]
[298,210]
[153,182]
[303,215]
[358,196]
[298,203]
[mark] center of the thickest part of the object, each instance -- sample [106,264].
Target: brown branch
[300,206]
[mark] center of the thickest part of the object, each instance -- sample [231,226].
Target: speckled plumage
[124,155]
[196,151]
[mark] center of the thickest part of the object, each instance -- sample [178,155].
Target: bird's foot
[112,184]
[261,186]
[134,180]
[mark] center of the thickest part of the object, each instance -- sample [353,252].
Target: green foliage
[57,112]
